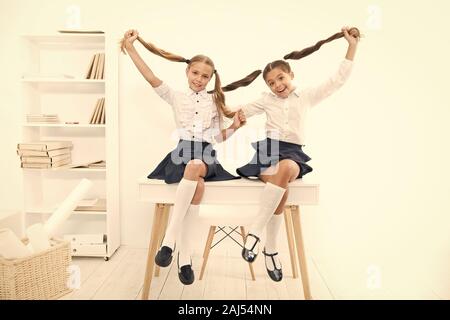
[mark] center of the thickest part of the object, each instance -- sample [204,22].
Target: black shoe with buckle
[164,256]
[248,254]
[185,273]
[276,274]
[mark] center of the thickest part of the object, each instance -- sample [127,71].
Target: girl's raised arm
[129,37]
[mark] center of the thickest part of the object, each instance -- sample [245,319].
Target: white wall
[379,145]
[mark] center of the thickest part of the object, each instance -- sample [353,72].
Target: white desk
[233,192]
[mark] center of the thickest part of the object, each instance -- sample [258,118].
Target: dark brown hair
[283,65]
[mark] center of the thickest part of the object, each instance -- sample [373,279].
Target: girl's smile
[279,82]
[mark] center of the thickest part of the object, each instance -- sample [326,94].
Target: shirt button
[193,125]
[196,112]
[198,101]
[193,136]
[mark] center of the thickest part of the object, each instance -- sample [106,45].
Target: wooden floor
[227,276]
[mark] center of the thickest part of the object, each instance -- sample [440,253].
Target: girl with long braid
[279,159]
[198,116]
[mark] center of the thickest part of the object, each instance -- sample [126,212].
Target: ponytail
[296,55]
[217,94]
[155,50]
[219,97]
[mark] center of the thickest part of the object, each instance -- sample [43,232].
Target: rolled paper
[10,245]
[66,208]
[38,237]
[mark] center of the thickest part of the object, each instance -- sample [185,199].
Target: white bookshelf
[53,82]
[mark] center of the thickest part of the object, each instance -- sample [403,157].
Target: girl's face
[198,74]
[279,82]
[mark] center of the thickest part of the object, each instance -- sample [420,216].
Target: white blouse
[286,118]
[195,113]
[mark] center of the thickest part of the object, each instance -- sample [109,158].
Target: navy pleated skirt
[171,168]
[269,152]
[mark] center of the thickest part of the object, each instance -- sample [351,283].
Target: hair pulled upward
[217,93]
[283,65]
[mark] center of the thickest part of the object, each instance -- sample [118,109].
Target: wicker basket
[43,275]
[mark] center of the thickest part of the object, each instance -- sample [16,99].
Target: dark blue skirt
[171,168]
[269,152]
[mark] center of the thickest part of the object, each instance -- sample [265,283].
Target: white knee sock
[272,230]
[183,197]
[270,199]
[273,227]
[186,243]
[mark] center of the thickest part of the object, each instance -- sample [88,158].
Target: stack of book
[96,68]
[42,118]
[99,114]
[45,154]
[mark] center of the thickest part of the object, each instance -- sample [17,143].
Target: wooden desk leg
[295,212]
[290,239]
[252,272]
[156,229]
[209,241]
[165,220]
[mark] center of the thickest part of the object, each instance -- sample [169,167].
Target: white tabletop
[239,191]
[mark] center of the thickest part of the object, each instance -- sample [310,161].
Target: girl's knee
[289,169]
[193,168]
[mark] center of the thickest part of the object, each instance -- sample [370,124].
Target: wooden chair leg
[209,241]
[290,239]
[295,212]
[154,236]
[252,272]
[165,220]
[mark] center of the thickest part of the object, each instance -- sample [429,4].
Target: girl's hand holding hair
[129,37]
[239,119]
[351,35]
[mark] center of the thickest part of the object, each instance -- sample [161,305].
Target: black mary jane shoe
[248,254]
[276,274]
[185,273]
[164,256]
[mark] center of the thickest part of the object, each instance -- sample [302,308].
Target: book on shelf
[51,153]
[44,145]
[98,116]
[32,159]
[96,67]
[42,118]
[91,205]
[91,165]
[47,165]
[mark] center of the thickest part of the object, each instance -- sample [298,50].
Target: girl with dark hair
[279,159]
[199,119]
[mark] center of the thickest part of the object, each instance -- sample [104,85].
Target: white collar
[192,93]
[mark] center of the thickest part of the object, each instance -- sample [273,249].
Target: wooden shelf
[64,125]
[44,80]
[68,38]
[68,168]
[53,82]
[49,212]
